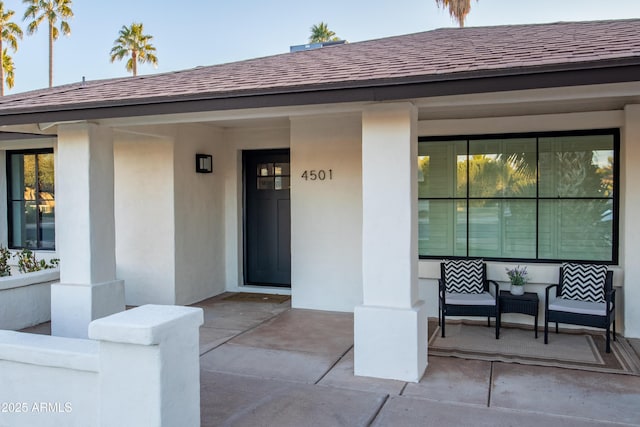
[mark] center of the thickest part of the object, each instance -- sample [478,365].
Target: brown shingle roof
[443,54]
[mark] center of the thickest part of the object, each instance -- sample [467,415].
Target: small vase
[517,290]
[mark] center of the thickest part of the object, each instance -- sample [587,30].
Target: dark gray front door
[267,218]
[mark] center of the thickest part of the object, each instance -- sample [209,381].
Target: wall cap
[145,325]
[51,351]
[33,278]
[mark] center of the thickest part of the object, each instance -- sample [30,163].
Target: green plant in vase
[518,277]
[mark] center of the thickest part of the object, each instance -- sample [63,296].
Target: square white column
[85,230]
[391,324]
[630,227]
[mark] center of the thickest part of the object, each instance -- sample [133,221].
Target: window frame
[10,200]
[614,132]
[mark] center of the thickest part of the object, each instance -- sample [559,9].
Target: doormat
[253,297]
[571,348]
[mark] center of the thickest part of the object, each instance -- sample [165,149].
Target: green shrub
[28,263]
[5,268]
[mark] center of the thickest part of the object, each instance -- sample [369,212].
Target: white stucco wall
[326,215]
[169,219]
[144,216]
[199,216]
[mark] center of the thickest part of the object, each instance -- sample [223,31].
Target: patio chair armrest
[610,298]
[496,285]
[546,294]
[441,290]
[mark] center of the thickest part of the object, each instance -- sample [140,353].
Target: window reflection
[32,205]
[547,196]
[576,166]
[273,176]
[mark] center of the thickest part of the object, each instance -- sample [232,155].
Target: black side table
[523,304]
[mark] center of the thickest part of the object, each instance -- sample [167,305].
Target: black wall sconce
[204,163]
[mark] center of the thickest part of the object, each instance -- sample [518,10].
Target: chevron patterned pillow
[464,276]
[583,282]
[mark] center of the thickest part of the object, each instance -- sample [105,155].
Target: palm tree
[458,9]
[10,32]
[134,44]
[8,69]
[321,33]
[52,11]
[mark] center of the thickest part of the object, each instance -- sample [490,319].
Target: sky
[191,33]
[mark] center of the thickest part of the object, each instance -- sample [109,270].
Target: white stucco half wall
[25,299]
[140,367]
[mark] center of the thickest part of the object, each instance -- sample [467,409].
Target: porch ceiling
[247,123]
[531,102]
[522,108]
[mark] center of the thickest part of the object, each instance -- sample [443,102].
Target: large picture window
[31,199]
[534,197]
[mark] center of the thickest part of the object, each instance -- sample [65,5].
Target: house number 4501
[317,174]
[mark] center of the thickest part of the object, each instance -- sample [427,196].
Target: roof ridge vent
[311,46]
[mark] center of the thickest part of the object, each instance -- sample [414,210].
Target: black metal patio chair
[465,291]
[583,296]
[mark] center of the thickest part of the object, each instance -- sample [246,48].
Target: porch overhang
[413,87]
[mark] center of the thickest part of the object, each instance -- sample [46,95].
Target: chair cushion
[484,298]
[464,276]
[583,282]
[580,307]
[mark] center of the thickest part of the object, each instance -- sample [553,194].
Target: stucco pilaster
[390,325]
[85,230]
[630,225]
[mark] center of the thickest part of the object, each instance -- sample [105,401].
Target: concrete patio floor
[265,364]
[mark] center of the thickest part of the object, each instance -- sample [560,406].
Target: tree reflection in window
[31,199]
[546,197]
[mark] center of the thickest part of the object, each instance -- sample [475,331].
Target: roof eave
[407,87]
